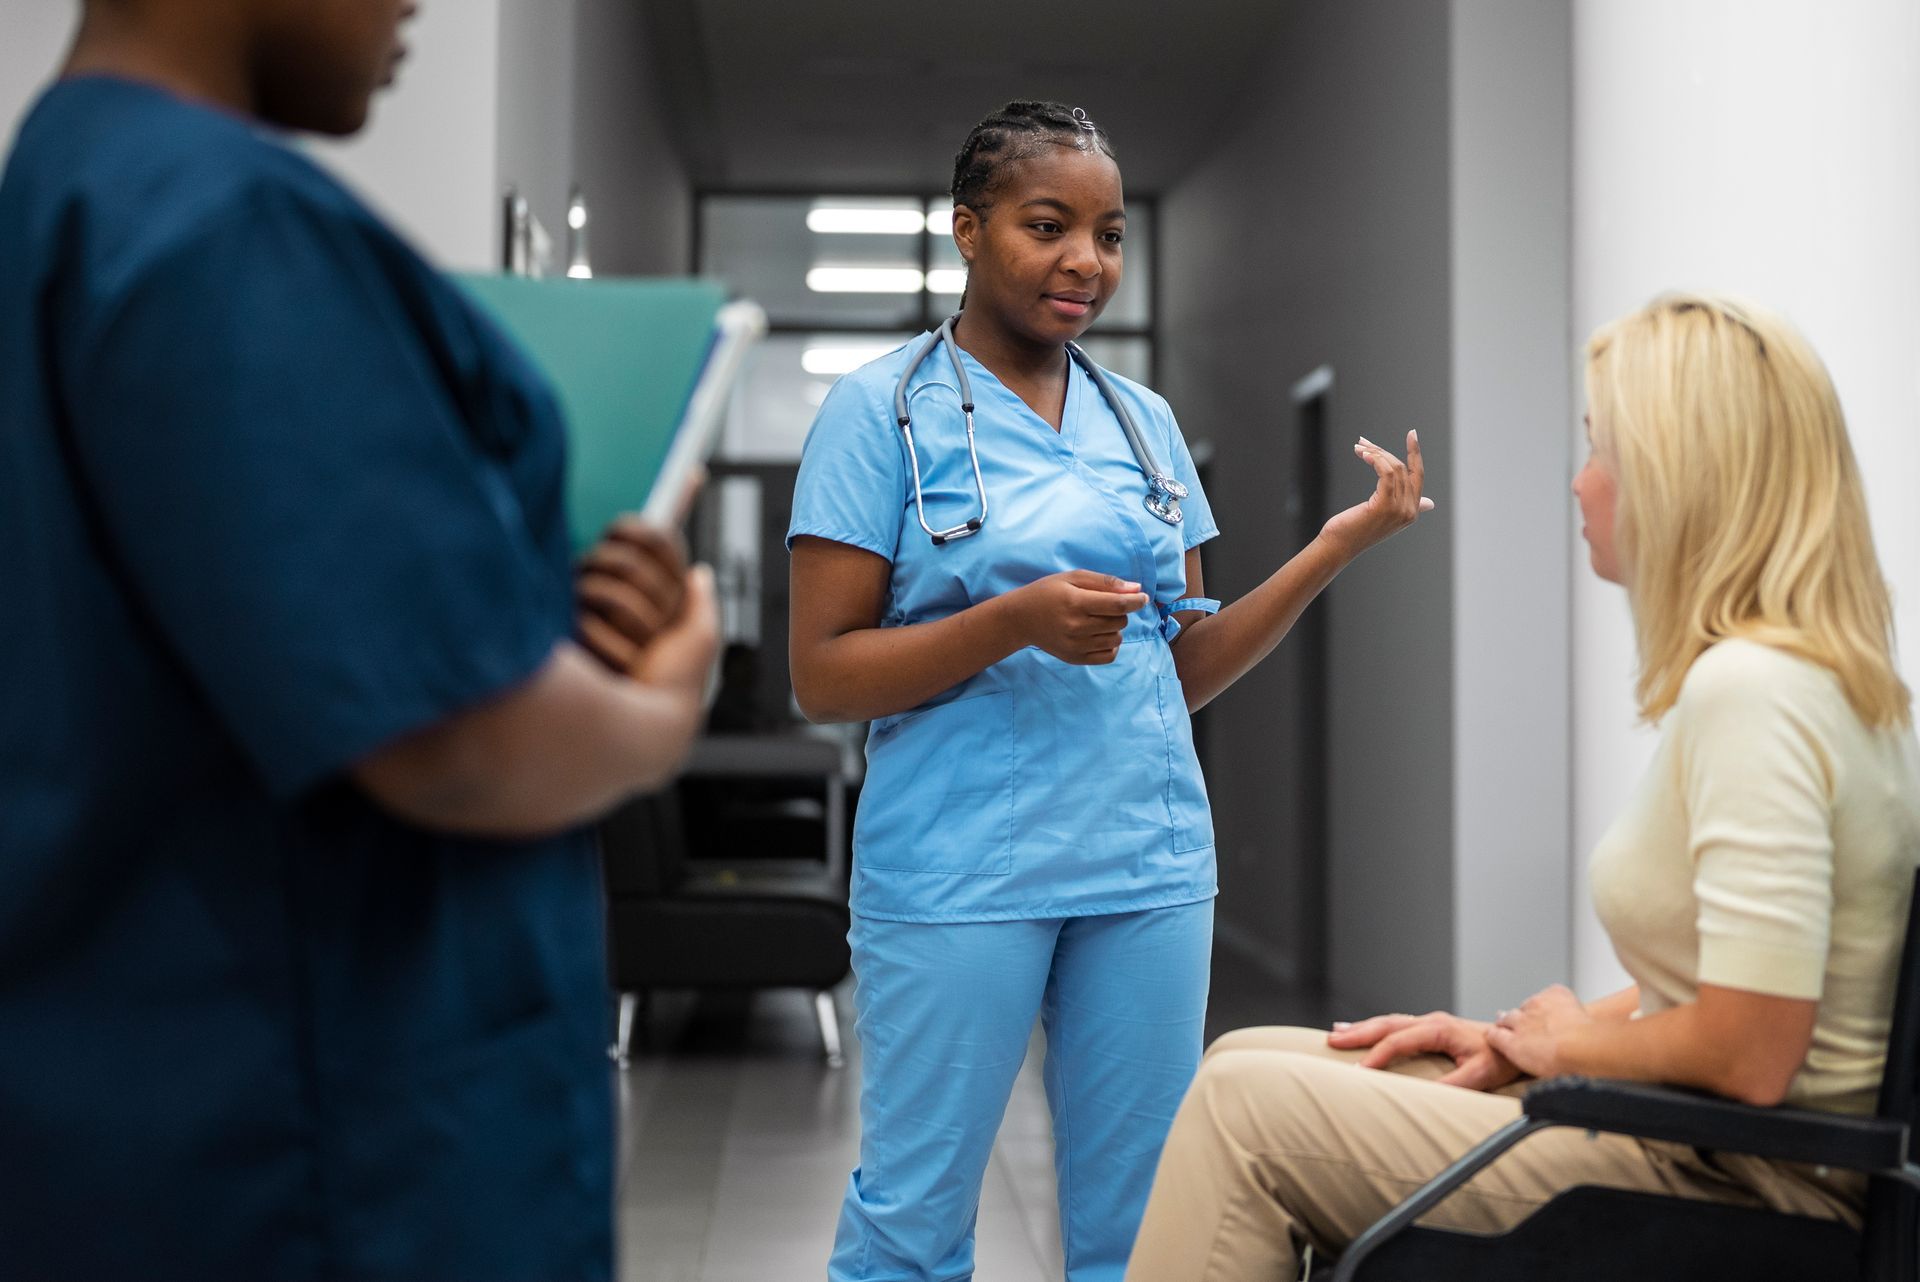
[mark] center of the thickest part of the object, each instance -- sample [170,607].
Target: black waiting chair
[746,923]
[736,878]
[1608,1235]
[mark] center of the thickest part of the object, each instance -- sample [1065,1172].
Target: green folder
[624,356]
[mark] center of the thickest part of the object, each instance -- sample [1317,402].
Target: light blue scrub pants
[945,1014]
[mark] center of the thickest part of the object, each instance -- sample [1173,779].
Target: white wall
[537,95]
[486,98]
[37,33]
[1771,148]
[535,149]
[429,158]
[1512,397]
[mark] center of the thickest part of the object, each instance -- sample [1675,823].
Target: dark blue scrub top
[270,495]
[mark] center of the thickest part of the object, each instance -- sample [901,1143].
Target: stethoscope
[1163,492]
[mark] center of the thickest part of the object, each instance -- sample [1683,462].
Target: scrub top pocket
[1103,767]
[1188,813]
[939,794]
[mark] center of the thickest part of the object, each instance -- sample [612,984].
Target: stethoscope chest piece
[1163,498]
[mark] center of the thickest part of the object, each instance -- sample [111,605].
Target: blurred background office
[1347,216]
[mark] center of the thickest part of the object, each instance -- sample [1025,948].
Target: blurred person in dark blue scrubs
[302,700]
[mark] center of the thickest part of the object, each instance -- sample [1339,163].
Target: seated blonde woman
[1755,888]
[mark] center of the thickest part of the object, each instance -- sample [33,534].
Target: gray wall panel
[1318,233]
[635,182]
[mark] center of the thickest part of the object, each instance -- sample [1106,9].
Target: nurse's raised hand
[1076,616]
[1396,502]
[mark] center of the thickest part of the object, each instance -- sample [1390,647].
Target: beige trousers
[1283,1141]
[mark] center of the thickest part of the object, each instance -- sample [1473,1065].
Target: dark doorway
[1306,507]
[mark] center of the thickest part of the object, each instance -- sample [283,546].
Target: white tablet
[736,328]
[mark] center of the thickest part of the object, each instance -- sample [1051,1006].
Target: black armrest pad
[1708,1121]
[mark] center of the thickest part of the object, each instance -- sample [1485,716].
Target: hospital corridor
[711,641]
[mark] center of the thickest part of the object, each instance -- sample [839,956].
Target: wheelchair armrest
[1708,1121]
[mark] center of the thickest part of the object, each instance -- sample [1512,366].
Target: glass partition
[846,278]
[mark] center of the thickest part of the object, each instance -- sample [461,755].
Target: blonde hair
[1740,510]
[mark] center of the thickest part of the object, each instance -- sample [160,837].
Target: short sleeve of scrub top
[1199,527]
[853,473]
[285,481]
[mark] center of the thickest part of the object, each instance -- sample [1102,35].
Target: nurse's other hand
[1076,616]
[628,587]
[1388,1038]
[1396,502]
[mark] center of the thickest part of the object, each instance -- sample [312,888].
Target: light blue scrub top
[1037,788]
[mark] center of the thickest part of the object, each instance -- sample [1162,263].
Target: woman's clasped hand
[1390,1038]
[1528,1035]
[1520,1043]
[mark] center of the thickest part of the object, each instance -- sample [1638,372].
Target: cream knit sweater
[1770,848]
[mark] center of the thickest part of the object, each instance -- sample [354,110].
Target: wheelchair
[1589,1234]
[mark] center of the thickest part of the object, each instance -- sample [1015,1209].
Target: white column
[35,40]
[1507,504]
[1769,148]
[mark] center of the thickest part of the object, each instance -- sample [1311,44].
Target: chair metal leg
[828,1014]
[622,1049]
[1908,1175]
[1433,1192]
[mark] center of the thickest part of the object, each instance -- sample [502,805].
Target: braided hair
[1015,132]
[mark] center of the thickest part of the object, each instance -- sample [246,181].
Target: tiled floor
[736,1141]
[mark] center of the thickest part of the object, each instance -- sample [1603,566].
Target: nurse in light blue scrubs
[1028,642]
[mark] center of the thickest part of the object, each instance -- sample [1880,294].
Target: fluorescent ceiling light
[841,358]
[832,219]
[940,222]
[865,280]
[947,280]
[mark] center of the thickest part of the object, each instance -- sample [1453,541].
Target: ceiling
[854,95]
